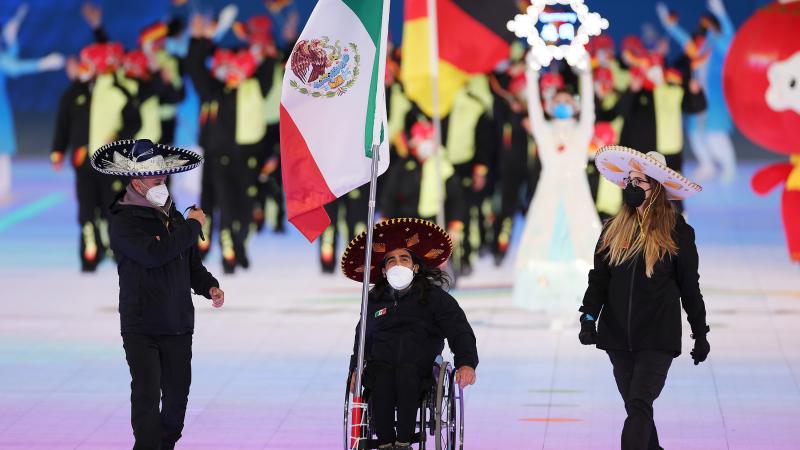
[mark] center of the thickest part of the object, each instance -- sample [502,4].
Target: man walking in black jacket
[158,266]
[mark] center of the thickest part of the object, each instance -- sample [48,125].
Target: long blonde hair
[629,233]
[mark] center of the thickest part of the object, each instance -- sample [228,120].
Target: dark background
[57,25]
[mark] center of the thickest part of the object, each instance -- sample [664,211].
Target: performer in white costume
[562,226]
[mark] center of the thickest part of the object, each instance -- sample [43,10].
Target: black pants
[391,387]
[168,127]
[675,162]
[95,192]
[207,204]
[514,179]
[232,177]
[160,370]
[356,209]
[270,185]
[640,378]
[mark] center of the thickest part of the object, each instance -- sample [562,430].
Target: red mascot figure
[762,87]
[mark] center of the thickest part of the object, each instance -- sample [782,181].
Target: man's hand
[196,24]
[694,86]
[290,27]
[465,376]
[217,297]
[456,233]
[53,61]
[201,27]
[166,76]
[198,215]
[73,68]
[353,383]
[526,123]
[92,14]
[636,83]
[479,172]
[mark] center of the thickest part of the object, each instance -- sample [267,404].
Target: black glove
[588,334]
[701,349]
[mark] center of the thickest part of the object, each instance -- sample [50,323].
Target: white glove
[716,7]
[583,63]
[538,57]
[53,61]
[663,12]
[11,29]
[225,20]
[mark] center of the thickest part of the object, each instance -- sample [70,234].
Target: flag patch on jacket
[381,312]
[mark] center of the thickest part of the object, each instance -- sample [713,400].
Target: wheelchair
[440,414]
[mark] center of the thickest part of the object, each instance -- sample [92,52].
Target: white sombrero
[615,162]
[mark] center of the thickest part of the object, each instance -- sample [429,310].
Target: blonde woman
[645,267]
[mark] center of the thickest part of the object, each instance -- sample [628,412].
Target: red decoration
[756,47]
[135,65]
[761,46]
[100,58]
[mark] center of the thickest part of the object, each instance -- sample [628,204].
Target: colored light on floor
[30,210]
[550,419]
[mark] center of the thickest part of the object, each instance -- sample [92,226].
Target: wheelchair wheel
[422,424]
[358,434]
[457,412]
[448,411]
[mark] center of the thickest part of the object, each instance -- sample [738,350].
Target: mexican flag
[333,88]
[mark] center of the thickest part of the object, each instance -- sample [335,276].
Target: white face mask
[158,195]
[400,277]
[656,75]
[425,149]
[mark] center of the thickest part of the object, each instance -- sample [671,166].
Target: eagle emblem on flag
[323,68]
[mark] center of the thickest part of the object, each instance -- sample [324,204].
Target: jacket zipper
[166,225]
[630,303]
[399,354]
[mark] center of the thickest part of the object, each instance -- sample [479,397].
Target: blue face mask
[563,111]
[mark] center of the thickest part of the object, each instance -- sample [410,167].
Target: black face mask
[633,196]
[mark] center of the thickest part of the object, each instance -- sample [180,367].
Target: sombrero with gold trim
[425,239]
[615,162]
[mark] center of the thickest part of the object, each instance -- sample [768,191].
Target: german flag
[473,38]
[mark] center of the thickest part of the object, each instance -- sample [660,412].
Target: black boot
[228,266]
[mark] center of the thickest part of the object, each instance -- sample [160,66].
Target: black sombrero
[143,158]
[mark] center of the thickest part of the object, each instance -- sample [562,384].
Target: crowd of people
[181,86]
[517,140]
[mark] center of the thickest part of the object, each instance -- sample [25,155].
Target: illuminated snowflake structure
[542,53]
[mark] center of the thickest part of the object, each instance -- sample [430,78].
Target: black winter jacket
[401,329]
[640,313]
[72,122]
[220,127]
[158,265]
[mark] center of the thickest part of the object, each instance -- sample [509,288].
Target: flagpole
[433,54]
[380,113]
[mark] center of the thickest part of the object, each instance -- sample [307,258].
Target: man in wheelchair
[409,316]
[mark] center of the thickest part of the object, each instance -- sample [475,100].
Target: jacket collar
[149,212]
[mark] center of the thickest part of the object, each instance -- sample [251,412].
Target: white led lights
[542,53]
